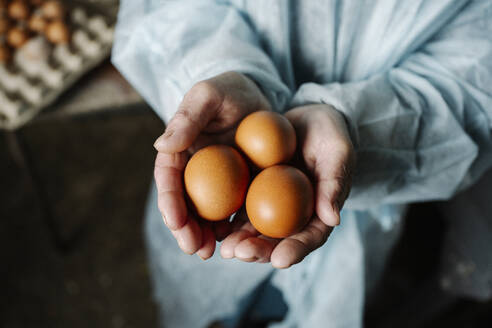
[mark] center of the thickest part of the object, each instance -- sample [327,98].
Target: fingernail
[159,143]
[180,241]
[226,255]
[171,225]
[336,212]
[281,264]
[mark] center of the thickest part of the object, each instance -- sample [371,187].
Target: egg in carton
[67,45]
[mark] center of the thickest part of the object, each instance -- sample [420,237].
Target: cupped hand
[328,155]
[208,114]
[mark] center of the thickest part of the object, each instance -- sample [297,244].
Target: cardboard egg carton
[40,72]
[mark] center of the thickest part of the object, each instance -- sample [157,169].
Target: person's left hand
[328,155]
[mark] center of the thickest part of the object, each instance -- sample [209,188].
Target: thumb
[328,154]
[334,178]
[327,201]
[200,105]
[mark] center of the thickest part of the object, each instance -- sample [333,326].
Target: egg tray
[40,72]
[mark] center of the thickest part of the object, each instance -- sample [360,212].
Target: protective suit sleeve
[164,47]
[423,128]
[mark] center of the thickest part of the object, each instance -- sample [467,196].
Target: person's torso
[325,41]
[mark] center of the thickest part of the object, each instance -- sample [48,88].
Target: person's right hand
[327,153]
[209,114]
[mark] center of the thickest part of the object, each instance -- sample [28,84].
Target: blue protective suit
[414,80]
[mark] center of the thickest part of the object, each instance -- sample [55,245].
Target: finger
[293,249]
[168,172]
[327,205]
[255,249]
[327,152]
[231,241]
[334,180]
[189,237]
[208,243]
[199,106]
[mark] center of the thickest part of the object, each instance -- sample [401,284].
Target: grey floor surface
[72,195]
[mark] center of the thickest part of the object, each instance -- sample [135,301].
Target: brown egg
[280,201]
[267,138]
[52,10]
[37,23]
[18,10]
[4,54]
[57,32]
[16,37]
[216,179]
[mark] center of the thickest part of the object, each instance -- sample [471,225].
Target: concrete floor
[72,200]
